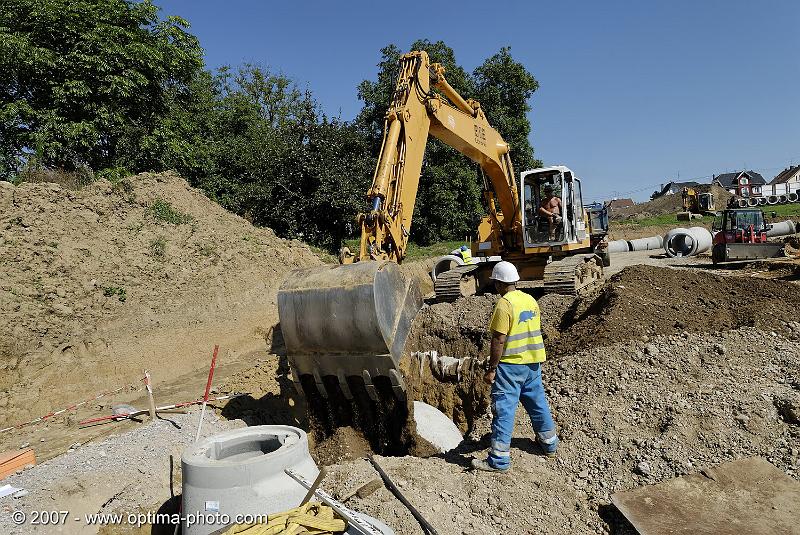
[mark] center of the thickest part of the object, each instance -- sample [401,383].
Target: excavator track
[455,283]
[574,275]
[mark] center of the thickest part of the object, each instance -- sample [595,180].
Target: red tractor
[741,234]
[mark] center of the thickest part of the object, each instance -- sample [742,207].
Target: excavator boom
[353,320]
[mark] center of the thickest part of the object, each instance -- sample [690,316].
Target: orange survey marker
[11,461]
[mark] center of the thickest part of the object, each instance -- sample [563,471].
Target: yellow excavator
[346,326]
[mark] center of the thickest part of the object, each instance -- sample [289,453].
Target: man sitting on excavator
[550,208]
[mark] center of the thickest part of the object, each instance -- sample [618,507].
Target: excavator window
[537,226]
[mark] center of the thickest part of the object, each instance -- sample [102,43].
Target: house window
[742,181]
[745,191]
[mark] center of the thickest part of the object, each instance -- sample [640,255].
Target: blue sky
[633,94]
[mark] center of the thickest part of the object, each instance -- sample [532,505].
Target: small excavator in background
[696,204]
[347,325]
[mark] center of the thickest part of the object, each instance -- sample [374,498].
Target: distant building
[671,188]
[787,181]
[742,183]
[615,204]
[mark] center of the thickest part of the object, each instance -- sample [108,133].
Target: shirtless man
[551,209]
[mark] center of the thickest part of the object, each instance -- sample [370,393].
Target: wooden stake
[150,395]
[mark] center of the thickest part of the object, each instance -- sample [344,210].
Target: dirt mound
[669,204]
[626,418]
[345,444]
[644,301]
[101,283]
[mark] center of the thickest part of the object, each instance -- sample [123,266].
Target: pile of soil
[630,414]
[101,283]
[668,204]
[647,301]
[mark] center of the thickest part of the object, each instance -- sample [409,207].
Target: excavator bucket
[347,321]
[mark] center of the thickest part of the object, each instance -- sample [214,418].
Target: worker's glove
[557,219]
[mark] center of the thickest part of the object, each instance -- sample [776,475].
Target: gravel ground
[123,473]
[630,414]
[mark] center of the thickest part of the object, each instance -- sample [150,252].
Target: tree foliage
[80,75]
[109,86]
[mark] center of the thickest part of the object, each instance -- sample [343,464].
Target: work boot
[546,449]
[480,464]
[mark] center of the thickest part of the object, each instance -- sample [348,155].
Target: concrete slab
[745,496]
[435,427]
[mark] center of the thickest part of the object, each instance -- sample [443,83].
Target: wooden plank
[745,496]
[11,461]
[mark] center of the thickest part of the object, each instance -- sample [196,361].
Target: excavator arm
[415,112]
[348,324]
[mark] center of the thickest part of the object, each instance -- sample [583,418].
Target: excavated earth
[663,372]
[102,283]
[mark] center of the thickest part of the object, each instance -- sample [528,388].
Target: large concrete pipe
[783,199]
[762,201]
[784,228]
[618,246]
[646,244]
[792,197]
[752,201]
[241,472]
[772,199]
[687,242]
[741,203]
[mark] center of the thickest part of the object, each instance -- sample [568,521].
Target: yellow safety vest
[467,256]
[524,342]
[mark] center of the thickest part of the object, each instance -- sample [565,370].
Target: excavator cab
[552,186]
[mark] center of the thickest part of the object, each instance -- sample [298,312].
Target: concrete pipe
[772,199]
[618,246]
[646,244]
[242,472]
[784,228]
[752,201]
[792,197]
[783,199]
[741,203]
[762,201]
[687,242]
[445,263]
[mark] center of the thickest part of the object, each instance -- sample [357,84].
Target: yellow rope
[310,519]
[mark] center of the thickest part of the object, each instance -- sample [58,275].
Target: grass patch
[782,210]
[654,221]
[163,212]
[111,291]
[158,248]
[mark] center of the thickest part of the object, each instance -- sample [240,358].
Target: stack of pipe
[687,242]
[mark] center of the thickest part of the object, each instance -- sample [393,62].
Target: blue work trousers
[514,383]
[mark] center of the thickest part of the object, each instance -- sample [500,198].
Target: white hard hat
[505,272]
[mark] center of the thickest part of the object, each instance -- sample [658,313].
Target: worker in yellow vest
[514,371]
[466,254]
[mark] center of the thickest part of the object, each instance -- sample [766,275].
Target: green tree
[84,78]
[504,88]
[268,154]
[449,198]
